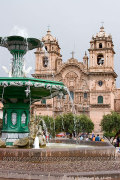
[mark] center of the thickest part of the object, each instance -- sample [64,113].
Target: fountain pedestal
[15,120]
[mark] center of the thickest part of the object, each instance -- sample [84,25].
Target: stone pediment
[71,64]
[72,60]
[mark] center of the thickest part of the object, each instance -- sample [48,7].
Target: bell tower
[101,76]
[48,59]
[101,52]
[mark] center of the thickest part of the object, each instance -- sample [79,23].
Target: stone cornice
[107,39]
[43,106]
[55,52]
[41,75]
[102,49]
[103,73]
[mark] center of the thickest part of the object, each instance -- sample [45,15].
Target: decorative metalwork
[23,118]
[5,118]
[57,87]
[5,84]
[39,85]
[27,91]
[48,86]
[28,83]
[14,118]
[17,83]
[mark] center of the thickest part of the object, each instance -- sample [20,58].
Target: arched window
[91,45]
[100,45]
[45,61]
[85,95]
[72,94]
[46,48]
[100,59]
[100,99]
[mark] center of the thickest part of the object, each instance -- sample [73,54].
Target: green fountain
[17,92]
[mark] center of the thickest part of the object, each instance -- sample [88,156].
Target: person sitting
[93,139]
[97,138]
[81,138]
[102,140]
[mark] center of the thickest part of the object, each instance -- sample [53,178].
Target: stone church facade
[91,83]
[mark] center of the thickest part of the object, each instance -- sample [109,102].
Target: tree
[84,124]
[65,123]
[72,123]
[111,124]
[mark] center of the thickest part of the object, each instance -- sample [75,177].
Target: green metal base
[16,117]
[9,143]
[10,138]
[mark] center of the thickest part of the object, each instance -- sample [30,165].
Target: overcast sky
[72,22]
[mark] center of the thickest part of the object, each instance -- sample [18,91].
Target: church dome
[72,60]
[48,37]
[102,34]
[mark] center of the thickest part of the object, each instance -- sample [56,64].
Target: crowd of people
[94,138]
[97,138]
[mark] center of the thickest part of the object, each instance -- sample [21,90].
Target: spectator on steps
[93,139]
[97,138]
[81,138]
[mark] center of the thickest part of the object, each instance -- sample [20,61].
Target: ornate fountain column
[15,120]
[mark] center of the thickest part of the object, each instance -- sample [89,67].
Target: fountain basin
[20,44]
[53,154]
[56,163]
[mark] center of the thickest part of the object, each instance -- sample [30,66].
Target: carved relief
[70,80]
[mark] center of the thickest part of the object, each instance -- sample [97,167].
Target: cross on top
[102,23]
[48,27]
[72,54]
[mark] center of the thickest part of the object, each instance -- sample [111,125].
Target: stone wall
[61,163]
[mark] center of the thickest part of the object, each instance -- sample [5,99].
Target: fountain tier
[17,94]
[18,46]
